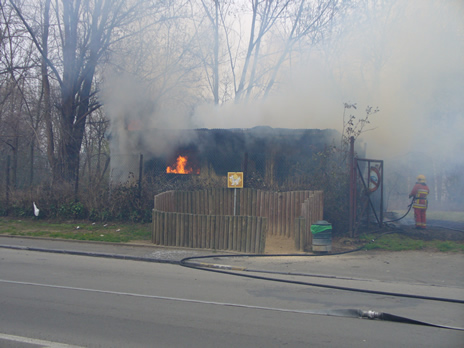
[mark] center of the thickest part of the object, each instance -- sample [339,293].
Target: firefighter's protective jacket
[420,192]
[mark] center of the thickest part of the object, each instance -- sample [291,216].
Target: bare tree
[17,100]
[83,33]
[251,43]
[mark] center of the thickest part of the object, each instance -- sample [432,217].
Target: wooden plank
[241,193]
[173,231]
[187,231]
[244,234]
[244,201]
[249,202]
[170,228]
[196,203]
[204,228]
[285,214]
[248,233]
[160,227]
[192,202]
[155,226]
[258,232]
[226,232]
[213,207]
[271,213]
[275,215]
[239,233]
[230,202]
[182,229]
[303,238]
[221,201]
[292,214]
[208,231]
[221,232]
[199,230]
[258,203]
[163,229]
[154,222]
[178,229]
[210,240]
[194,230]
[184,202]
[263,202]
[253,234]
[262,244]
[254,202]
[166,229]
[279,214]
[213,236]
[297,233]
[175,201]
[290,221]
[200,202]
[230,239]
[216,232]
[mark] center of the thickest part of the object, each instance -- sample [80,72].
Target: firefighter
[420,192]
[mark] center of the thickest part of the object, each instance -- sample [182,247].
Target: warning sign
[235,180]
[374,179]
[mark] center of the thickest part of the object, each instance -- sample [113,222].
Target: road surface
[49,299]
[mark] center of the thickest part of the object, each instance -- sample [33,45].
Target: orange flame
[181,167]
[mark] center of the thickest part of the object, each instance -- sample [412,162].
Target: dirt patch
[279,245]
[285,245]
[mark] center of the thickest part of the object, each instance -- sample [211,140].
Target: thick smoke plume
[404,57]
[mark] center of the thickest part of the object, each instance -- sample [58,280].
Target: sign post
[235,181]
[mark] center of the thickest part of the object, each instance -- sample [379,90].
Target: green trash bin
[321,232]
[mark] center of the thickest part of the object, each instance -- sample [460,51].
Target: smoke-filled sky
[405,57]
[408,61]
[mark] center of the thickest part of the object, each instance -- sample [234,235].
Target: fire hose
[349,313]
[409,209]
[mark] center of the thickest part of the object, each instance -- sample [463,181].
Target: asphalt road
[48,299]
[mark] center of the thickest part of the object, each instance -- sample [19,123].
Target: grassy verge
[77,230]
[399,242]
[125,233]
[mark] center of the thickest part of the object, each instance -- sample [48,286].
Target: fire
[181,167]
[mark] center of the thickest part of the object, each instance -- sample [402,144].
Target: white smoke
[405,57]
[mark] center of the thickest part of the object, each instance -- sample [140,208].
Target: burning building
[274,154]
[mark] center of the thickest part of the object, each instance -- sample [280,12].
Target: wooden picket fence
[234,219]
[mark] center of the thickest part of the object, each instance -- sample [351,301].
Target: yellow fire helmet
[421,178]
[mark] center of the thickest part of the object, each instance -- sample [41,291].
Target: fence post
[7,184]
[140,175]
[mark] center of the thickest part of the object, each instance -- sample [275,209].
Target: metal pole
[352,192]
[7,183]
[381,193]
[235,200]
[368,192]
[140,174]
